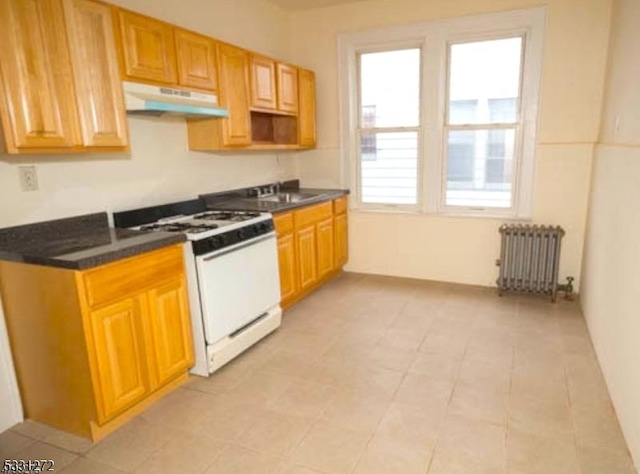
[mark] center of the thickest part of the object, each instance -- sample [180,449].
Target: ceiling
[309,4]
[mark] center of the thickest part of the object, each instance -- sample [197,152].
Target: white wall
[464,249]
[611,275]
[158,170]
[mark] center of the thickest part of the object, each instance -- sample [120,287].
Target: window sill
[446,214]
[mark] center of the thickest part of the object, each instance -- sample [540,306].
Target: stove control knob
[219,241]
[241,234]
[264,227]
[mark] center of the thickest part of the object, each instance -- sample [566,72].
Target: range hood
[144,99]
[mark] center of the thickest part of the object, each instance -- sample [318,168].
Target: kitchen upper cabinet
[287,80]
[306,108]
[196,56]
[103,120]
[119,351]
[108,341]
[263,83]
[233,86]
[60,88]
[274,86]
[38,105]
[234,94]
[147,48]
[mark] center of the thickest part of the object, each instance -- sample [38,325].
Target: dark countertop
[239,201]
[78,243]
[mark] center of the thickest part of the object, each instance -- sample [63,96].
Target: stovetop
[206,224]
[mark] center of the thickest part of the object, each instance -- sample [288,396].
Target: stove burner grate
[235,216]
[180,227]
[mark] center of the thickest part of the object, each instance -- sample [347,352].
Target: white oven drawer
[237,285]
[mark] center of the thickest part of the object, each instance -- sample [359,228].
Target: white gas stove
[232,272]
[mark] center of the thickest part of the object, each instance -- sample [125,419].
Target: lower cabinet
[312,247]
[109,341]
[324,231]
[288,267]
[341,239]
[170,331]
[121,361]
[306,244]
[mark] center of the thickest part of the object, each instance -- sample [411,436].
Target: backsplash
[158,169]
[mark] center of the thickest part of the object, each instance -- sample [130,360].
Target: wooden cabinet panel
[307,259]
[148,48]
[171,330]
[263,83]
[95,70]
[120,356]
[287,88]
[283,223]
[287,265]
[307,108]
[312,214]
[196,60]
[325,250]
[341,229]
[132,275]
[234,84]
[38,105]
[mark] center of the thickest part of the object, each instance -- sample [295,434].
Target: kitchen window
[441,117]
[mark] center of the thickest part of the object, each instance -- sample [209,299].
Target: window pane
[389,167]
[484,81]
[480,167]
[390,89]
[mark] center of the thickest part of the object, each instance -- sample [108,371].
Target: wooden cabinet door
[325,251]
[99,96]
[196,60]
[287,88]
[118,345]
[341,228]
[307,259]
[170,327]
[263,83]
[147,48]
[307,108]
[233,81]
[287,265]
[38,105]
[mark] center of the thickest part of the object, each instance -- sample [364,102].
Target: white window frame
[434,39]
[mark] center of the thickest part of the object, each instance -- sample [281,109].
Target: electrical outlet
[28,178]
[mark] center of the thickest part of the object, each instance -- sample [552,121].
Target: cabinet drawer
[283,223]
[117,280]
[340,205]
[312,214]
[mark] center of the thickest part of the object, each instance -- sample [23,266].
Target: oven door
[237,285]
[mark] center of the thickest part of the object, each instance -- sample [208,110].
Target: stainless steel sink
[287,197]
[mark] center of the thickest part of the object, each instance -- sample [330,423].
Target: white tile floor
[378,375]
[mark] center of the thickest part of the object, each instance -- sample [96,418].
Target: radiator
[529,259]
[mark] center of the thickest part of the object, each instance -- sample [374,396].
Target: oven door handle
[239,246]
